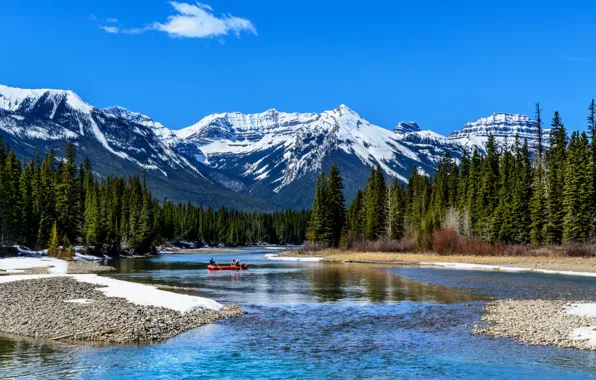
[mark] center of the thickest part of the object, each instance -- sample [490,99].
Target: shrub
[445,242]
[579,250]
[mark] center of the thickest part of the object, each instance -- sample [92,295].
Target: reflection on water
[268,283]
[314,320]
[338,281]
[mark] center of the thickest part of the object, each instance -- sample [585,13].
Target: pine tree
[53,248]
[92,213]
[592,135]
[356,217]
[318,228]
[522,193]
[539,130]
[375,204]
[336,204]
[29,222]
[10,178]
[502,220]
[47,201]
[487,195]
[555,162]
[395,211]
[538,205]
[67,196]
[578,191]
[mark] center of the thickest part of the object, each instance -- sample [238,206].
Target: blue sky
[438,63]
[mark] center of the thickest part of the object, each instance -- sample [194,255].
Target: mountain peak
[127,114]
[12,98]
[344,108]
[500,124]
[405,127]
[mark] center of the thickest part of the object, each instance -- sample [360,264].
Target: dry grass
[541,262]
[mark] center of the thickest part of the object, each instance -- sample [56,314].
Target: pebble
[39,309]
[537,322]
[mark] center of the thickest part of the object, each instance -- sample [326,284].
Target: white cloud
[193,21]
[110,29]
[112,20]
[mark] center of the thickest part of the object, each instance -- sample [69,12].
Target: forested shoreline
[508,195]
[502,198]
[53,202]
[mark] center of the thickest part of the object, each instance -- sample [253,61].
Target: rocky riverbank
[62,308]
[539,322]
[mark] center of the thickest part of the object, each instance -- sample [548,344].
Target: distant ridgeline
[50,200]
[500,196]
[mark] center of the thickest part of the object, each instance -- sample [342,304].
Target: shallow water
[322,320]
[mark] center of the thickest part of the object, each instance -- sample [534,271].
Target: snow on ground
[273,256]
[83,301]
[146,295]
[583,309]
[466,266]
[139,294]
[585,333]
[20,264]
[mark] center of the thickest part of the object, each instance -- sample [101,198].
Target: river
[321,320]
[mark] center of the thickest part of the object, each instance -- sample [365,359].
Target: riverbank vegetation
[52,202]
[508,201]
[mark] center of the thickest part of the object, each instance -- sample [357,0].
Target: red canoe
[227,267]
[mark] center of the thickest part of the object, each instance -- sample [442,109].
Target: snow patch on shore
[82,301]
[139,294]
[585,333]
[146,295]
[274,256]
[583,309]
[20,264]
[485,267]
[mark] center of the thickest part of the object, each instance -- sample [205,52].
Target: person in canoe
[212,262]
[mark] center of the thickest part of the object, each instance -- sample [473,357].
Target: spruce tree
[395,211]
[68,197]
[336,204]
[555,162]
[578,190]
[539,130]
[53,248]
[318,228]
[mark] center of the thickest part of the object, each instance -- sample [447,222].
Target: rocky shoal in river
[39,309]
[537,322]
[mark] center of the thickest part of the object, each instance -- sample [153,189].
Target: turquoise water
[322,320]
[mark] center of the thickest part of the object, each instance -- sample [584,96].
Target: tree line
[49,202]
[509,194]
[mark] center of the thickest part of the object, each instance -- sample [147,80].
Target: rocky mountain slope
[267,160]
[116,140]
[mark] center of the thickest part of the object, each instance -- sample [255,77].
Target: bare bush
[579,250]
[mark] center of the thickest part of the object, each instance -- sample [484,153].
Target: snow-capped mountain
[264,160]
[277,151]
[116,140]
[503,126]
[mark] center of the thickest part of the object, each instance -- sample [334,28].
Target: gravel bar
[537,322]
[62,308]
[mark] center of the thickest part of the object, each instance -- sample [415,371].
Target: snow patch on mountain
[503,126]
[287,146]
[51,115]
[14,99]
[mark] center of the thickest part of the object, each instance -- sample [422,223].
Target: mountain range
[262,161]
